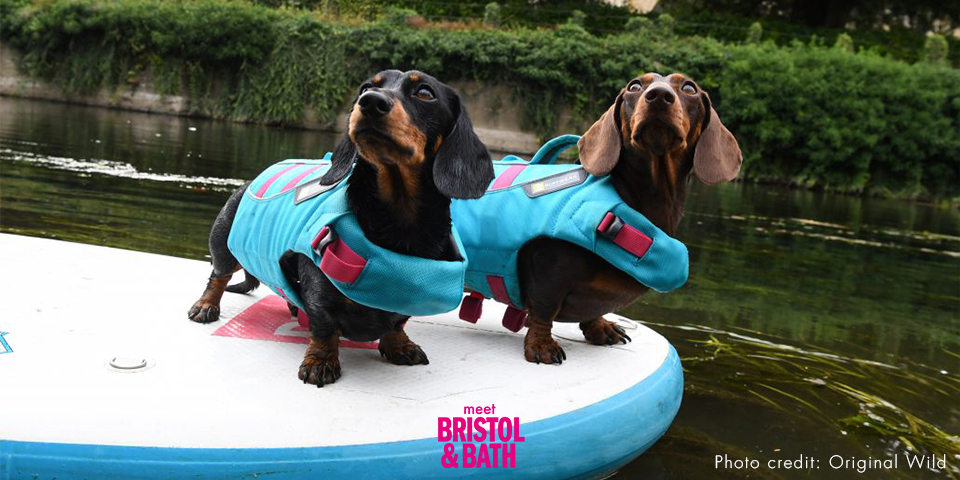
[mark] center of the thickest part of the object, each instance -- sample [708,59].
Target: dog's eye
[688,88]
[365,87]
[424,93]
[634,87]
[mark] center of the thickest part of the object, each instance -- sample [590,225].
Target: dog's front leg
[321,363]
[207,309]
[397,347]
[601,331]
[539,345]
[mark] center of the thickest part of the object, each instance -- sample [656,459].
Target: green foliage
[577,17]
[755,33]
[899,42]
[398,16]
[935,49]
[599,17]
[638,24]
[491,14]
[845,43]
[805,113]
[857,122]
[667,23]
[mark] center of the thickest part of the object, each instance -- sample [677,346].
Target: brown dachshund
[658,131]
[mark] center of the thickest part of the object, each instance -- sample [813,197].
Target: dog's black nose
[659,93]
[374,104]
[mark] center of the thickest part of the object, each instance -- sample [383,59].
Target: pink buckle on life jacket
[514,319]
[338,261]
[627,237]
[471,307]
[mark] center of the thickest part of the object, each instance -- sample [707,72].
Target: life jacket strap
[498,288]
[471,307]
[625,236]
[338,261]
[514,319]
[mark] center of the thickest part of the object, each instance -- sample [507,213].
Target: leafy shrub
[491,14]
[804,113]
[936,49]
[755,33]
[898,42]
[824,116]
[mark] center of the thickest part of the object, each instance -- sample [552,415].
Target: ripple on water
[115,169]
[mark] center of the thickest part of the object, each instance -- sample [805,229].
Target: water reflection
[813,323]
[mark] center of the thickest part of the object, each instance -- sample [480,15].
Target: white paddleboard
[102,376]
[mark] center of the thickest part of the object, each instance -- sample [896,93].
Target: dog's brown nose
[374,104]
[659,94]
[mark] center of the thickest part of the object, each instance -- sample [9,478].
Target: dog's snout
[659,94]
[374,104]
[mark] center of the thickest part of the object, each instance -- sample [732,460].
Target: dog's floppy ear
[344,155]
[462,166]
[600,146]
[717,158]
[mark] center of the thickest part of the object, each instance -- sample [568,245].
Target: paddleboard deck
[103,376]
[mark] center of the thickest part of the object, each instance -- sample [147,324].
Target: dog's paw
[204,312]
[407,353]
[319,371]
[604,332]
[543,350]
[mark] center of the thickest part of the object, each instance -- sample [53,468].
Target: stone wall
[496,118]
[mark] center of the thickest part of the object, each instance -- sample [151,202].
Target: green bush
[936,49]
[805,113]
[491,14]
[755,33]
[899,42]
[824,116]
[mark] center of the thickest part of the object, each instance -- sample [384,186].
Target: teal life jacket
[535,199]
[286,208]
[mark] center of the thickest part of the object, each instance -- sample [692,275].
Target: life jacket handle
[625,236]
[549,152]
[337,260]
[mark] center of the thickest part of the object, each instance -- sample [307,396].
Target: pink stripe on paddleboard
[507,177]
[263,188]
[269,320]
[296,180]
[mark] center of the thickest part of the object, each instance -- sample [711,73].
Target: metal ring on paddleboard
[128,364]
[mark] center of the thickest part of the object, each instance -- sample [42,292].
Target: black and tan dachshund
[658,131]
[416,149]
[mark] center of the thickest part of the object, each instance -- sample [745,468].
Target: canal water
[813,324]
